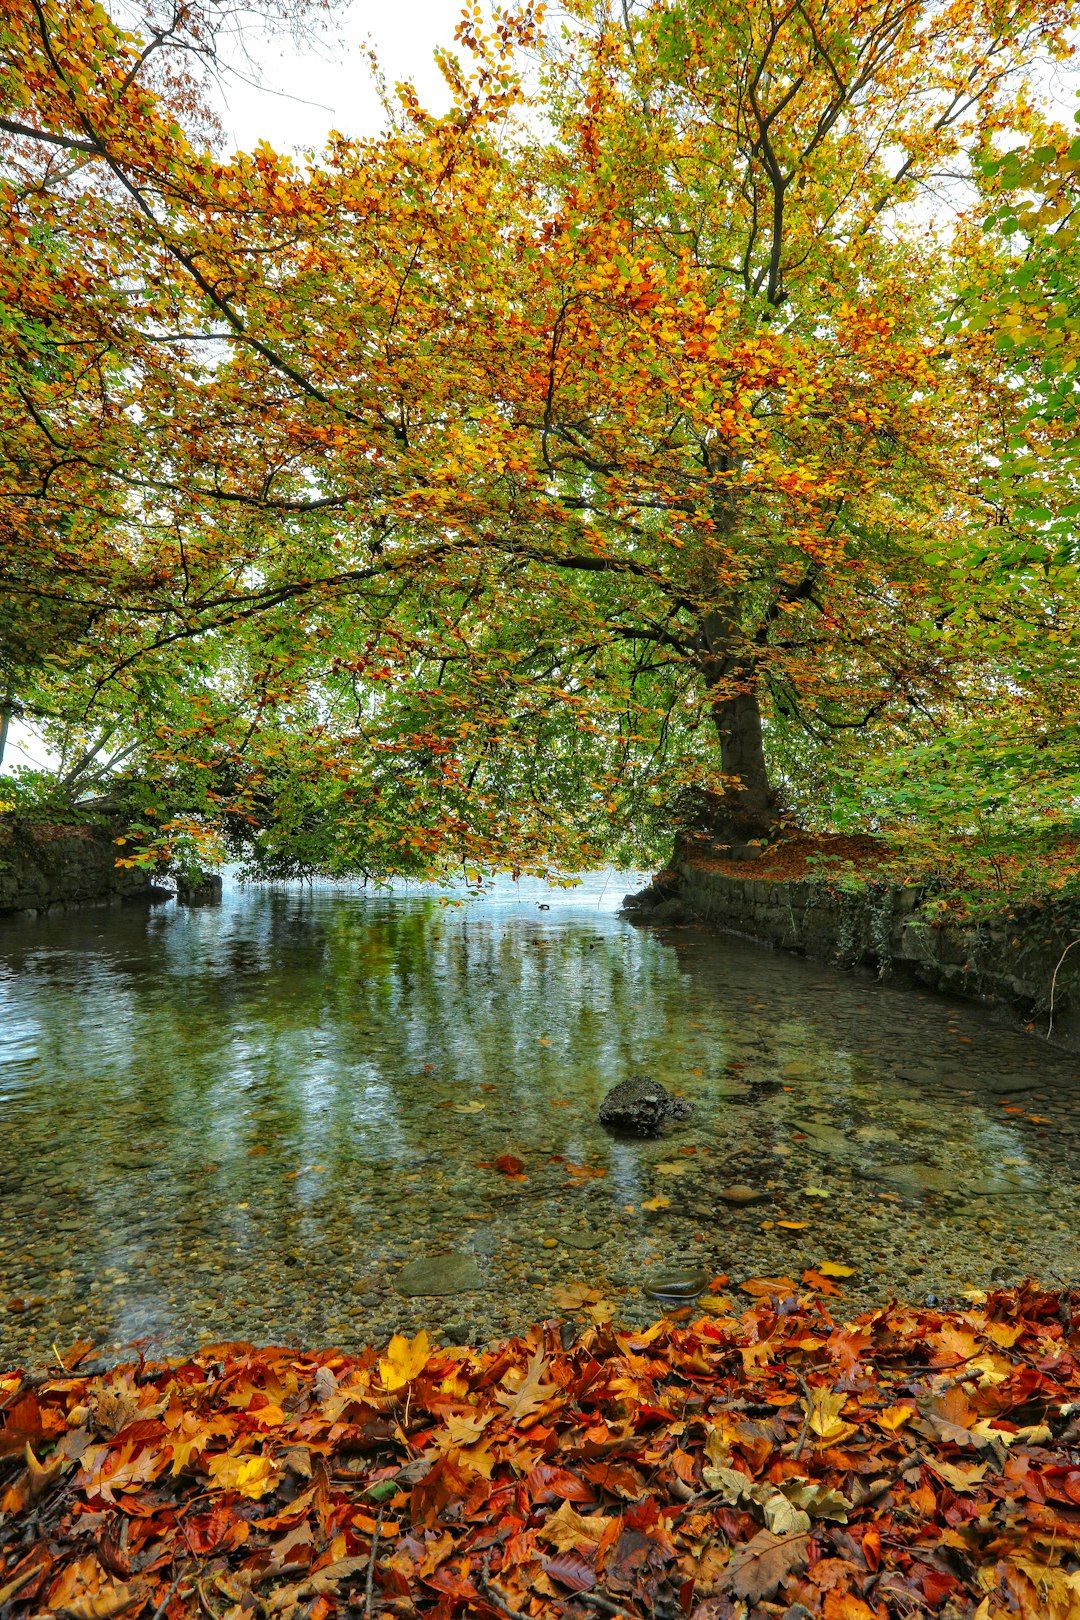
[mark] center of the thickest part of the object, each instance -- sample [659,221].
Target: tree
[450,489]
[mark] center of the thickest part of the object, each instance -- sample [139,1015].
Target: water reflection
[241,1121]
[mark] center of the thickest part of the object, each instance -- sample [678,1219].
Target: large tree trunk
[747,809]
[751,801]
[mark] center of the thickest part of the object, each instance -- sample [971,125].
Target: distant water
[240,1121]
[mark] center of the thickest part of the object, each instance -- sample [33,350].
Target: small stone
[549,1243]
[583,1240]
[740,1194]
[16,1304]
[676,1284]
[437,1274]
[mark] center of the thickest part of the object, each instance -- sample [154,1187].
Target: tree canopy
[501,490]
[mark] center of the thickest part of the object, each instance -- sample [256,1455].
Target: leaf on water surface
[507,1165]
[793,1226]
[404,1360]
[816,1192]
[574,1296]
[767,1287]
[468,1107]
[822,1285]
[830,1268]
[671,1167]
[657,1203]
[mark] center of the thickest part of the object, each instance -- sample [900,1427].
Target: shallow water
[240,1121]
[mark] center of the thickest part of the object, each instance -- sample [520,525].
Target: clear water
[241,1121]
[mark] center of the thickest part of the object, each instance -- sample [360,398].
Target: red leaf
[571,1569]
[545,1482]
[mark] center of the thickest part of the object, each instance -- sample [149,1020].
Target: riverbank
[52,866]
[732,1459]
[837,900]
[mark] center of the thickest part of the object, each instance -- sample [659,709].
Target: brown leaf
[112,1598]
[758,1567]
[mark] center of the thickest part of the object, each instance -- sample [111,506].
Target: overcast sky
[304,94]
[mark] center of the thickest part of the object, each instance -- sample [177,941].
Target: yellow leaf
[672,1167]
[892,1418]
[657,1203]
[829,1268]
[793,1226]
[251,1476]
[825,1420]
[569,1529]
[404,1359]
[467,1108]
[815,1192]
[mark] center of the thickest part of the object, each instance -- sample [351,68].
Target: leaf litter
[909,1462]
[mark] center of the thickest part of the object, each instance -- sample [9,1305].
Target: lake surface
[243,1121]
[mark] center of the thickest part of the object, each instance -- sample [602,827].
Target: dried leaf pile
[773,1462]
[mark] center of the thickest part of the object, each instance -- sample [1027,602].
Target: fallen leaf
[671,1167]
[767,1287]
[404,1359]
[822,1285]
[757,1569]
[656,1203]
[829,1268]
[892,1418]
[567,1528]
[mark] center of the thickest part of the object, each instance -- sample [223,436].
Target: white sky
[304,94]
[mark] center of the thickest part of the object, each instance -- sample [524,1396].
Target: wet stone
[437,1274]
[676,1284]
[740,1194]
[581,1240]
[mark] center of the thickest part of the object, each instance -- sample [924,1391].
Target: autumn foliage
[458,495]
[773,1461]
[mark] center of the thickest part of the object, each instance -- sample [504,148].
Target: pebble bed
[278,1120]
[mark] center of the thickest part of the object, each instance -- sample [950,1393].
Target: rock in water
[436,1274]
[641,1106]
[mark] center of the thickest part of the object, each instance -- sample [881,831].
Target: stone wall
[47,864]
[1008,959]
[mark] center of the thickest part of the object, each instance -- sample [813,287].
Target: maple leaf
[528,1392]
[405,1359]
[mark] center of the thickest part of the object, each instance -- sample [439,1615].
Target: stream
[277,1119]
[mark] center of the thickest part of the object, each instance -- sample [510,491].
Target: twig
[1053,982]
[805,1387]
[167,1599]
[606,1604]
[369,1585]
[494,1596]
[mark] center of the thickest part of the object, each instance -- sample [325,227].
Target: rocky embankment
[1021,958]
[48,865]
